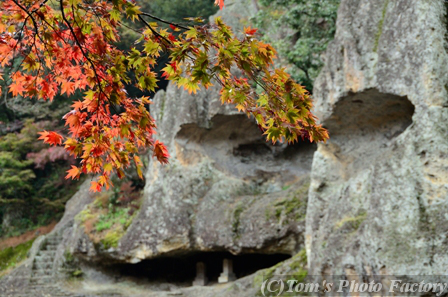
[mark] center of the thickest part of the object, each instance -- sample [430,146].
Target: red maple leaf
[172,37]
[95,187]
[249,31]
[174,65]
[51,137]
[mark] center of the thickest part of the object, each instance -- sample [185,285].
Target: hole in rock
[371,112]
[362,127]
[280,150]
[181,270]
[237,145]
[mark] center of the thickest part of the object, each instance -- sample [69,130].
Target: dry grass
[27,236]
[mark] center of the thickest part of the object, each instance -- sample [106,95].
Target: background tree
[300,30]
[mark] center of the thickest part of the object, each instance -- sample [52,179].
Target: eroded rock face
[225,189]
[379,188]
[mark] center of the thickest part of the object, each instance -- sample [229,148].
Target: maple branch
[152,30]
[55,31]
[99,21]
[164,21]
[130,28]
[85,56]
[15,46]
[29,16]
[36,28]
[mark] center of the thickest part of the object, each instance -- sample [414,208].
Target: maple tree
[68,46]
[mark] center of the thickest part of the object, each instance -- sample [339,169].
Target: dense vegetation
[33,190]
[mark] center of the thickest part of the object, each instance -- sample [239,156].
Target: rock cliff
[379,187]
[225,188]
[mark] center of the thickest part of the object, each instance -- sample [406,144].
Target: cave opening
[182,270]
[277,150]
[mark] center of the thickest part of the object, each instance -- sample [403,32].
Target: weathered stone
[201,275]
[379,187]
[227,274]
[225,187]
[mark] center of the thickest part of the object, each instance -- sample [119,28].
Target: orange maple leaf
[74,173]
[78,105]
[95,187]
[68,88]
[16,89]
[160,152]
[51,137]
[72,120]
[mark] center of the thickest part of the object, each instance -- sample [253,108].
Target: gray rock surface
[225,189]
[379,188]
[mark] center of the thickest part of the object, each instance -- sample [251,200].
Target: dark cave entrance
[181,270]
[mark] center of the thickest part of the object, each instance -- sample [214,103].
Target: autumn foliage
[68,46]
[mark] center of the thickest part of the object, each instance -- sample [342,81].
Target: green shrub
[114,216]
[112,238]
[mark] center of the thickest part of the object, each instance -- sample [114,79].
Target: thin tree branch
[154,31]
[85,56]
[164,21]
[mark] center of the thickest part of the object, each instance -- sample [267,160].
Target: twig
[164,21]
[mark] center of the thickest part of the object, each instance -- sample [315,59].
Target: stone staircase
[46,281]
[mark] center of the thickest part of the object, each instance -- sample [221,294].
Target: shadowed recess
[363,128]
[237,145]
[371,112]
[182,270]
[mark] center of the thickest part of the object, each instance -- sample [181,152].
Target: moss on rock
[352,223]
[12,256]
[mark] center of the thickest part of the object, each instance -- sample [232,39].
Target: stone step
[42,272]
[47,252]
[53,293]
[42,265]
[43,258]
[40,289]
[43,279]
[54,238]
[49,247]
